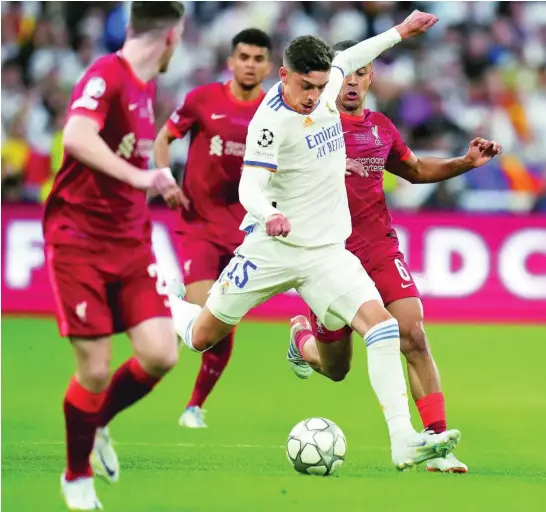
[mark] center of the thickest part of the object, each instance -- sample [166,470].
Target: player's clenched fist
[416,23]
[482,150]
[278,225]
[161,181]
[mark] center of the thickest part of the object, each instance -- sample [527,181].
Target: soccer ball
[316,446]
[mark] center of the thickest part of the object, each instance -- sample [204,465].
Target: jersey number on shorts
[239,273]
[160,281]
[402,270]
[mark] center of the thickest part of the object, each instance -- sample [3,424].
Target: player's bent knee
[95,377]
[162,362]
[208,331]
[369,315]
[338,373]
[92,362]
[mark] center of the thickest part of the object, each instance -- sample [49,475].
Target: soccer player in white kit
[293,188]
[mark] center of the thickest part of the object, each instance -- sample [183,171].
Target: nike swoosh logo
[214,117]
[407,285]
[110,472]
[346,132]
[133,106]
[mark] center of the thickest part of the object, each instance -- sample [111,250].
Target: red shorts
[105,291]
[202,259]
[393,281]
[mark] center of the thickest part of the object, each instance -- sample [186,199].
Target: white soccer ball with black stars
[316,446]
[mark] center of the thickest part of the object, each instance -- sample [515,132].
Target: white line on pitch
[190,445]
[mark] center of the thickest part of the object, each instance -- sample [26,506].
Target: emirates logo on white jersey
[216,146]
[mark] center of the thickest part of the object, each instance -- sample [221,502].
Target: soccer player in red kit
[217,116]
[374,144]
[98,243]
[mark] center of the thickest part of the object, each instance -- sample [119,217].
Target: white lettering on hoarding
[441,245]
[23,255]
[24,252]
[513,256]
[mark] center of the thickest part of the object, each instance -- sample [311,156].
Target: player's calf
[208,331]
[83,403]
[156,352]
[335,358]
[198,328]
[327,352]
[414,344]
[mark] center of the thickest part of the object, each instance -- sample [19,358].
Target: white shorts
[264,267]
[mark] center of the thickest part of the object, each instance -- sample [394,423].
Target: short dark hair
[308,53]
[150,16]
[253,37]
[344,45]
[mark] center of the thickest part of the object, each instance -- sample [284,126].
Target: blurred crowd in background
[480,72]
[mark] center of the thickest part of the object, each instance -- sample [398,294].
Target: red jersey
[373,140]
[218,123]
[85,204]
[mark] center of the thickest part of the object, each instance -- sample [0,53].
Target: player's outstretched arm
[433,170]
[360,55]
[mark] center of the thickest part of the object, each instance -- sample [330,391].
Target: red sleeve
[184,117]
[399,150]
[93,95]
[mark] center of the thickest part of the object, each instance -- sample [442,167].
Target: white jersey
[306,154]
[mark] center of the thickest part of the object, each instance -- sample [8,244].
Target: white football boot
[104,459]
[80,494]
[193,417]
[423,446]
[449,464]
[299,365]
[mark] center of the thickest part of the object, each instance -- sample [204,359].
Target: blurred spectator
[15,157]
[480,71]
[13,91]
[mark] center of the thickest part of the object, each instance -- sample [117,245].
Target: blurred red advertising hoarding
[475,268]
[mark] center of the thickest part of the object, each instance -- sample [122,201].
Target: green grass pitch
[494,378]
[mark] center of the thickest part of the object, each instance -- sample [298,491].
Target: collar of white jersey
[278,99]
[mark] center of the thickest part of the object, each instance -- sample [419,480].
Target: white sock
[387,376]
[184,315]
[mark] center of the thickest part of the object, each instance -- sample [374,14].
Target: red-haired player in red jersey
[98,243]
[217,116]
[374,143]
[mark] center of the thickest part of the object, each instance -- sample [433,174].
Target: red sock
[301,337]
[129,384]
[213,364]
[433,412]
[81,414]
